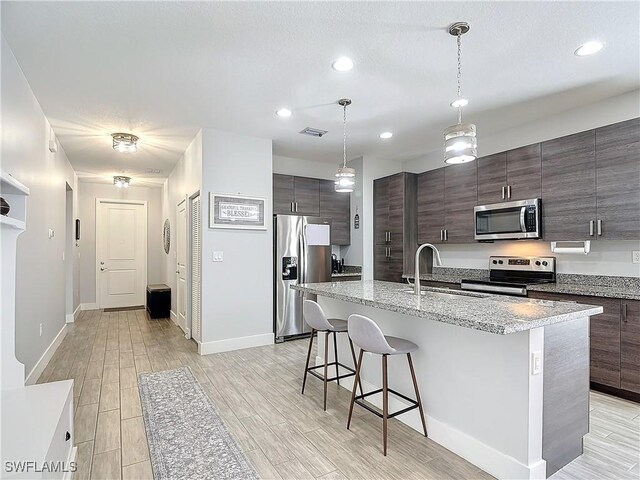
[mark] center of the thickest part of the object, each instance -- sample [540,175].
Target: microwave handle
[523,226]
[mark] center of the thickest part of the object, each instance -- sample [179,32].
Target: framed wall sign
[236,211]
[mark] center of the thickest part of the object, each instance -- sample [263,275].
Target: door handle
[503,192]
[591,228]
[523,225]
[102,269]
[508,191]
[599,223]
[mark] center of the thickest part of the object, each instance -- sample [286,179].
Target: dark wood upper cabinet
[460,196]
[618,181]
[336,206]
[431,206]
[524,173]
[306,193]
[395,226]
[630,346]
[569,187]
[492,179]
[282,194]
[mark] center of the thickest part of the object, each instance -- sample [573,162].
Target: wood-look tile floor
[284,434]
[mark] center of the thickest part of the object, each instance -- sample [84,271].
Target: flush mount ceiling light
[125,142]
[460,102]
[589,48]
[121,181]
[342,64]
[385,135]
[345,176]
[460,144]
[283,112]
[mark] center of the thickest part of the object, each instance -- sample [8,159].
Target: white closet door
[196,323]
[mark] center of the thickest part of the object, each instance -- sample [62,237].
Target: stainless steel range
[511,275]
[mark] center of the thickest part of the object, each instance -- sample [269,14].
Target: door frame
[146,233]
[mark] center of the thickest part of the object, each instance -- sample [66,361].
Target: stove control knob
[538,263]
[500,262]
[495,262]
[545,263]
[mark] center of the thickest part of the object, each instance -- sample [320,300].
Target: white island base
[483,395]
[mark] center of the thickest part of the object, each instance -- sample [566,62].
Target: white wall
[88,192]
[352,253]
[184,181]
[237,294]
[606,257]
[40,277]
[304,168]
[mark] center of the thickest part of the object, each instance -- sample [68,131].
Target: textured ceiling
[164,69]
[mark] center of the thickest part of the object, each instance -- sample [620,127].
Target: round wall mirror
[166,236]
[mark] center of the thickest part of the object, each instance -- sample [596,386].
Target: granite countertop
[480,311]
[574,284]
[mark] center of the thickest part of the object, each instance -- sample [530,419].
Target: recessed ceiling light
[342,64]
[385,135]
[284,112]
[459,102]
[589,48]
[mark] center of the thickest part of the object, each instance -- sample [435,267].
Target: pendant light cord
[344,136]
[459,41]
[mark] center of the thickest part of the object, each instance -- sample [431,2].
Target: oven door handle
[523,226]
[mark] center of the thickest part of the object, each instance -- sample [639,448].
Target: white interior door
[194,237]
[181,267]
[121,253]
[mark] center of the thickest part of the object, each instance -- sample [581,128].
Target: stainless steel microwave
[508,220]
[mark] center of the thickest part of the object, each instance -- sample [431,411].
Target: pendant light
[345,176]
[460,143]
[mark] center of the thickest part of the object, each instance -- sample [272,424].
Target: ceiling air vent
[154,170]
[313,132]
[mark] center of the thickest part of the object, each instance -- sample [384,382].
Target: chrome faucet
[416,271]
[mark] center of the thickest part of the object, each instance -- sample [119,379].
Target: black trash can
[158,300]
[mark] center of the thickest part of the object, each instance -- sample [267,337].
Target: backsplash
[608,258]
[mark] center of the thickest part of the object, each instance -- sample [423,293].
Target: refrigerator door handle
[301,260]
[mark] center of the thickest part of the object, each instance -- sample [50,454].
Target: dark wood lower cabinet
[630,346]
[615,343]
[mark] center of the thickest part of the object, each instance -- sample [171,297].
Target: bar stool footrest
[351,373]
[358,399]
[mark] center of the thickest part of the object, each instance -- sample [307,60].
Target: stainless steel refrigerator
[302,254]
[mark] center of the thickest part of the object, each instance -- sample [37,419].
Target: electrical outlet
[52,233]
[536,363]
[636,256]
[218,256]
[40,329]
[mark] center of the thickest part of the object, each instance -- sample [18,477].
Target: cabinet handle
[441,235]
[591,228]
[389,237]
[446,235]
[599,227]
[296,203]
[508,191]
[503,192]
[624,312]
[292,210]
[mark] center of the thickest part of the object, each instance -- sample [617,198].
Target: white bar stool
[368,336]
[318,321]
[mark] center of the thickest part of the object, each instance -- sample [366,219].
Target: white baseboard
[483,456]
[89,306]
[71,317]
[173,317]
[41,364]
[205,348]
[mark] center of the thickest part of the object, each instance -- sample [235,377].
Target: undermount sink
[445,291]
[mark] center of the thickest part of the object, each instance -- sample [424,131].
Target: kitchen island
[504,380]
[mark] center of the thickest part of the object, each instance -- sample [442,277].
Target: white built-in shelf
[12,222]
[11,186]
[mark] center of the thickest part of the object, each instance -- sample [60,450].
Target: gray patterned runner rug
[187,438]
